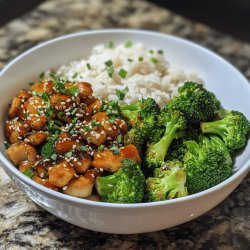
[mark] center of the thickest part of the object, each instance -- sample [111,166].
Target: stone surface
[23,225]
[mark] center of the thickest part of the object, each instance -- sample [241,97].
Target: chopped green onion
[86,128]
[60,114]
[160,51]
[110,45]
[122,73]
[31,83]
[119,138]
[121,93]
[109,63]
[154,60]
[101,147]
[151,51]
[41,76]
[69,154]
[50,112]
[84,148]
[112,120]
[128,44]
[54,157]
[115,150]
[45,97]
[28,172]
[140,58]
[71,91]
[75,75]
[110,71]
[88,66]
[130,60]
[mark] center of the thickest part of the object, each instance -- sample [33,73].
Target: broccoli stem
[215,127]
[106,184]
[160,149]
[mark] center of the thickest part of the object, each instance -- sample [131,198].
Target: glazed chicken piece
[42,87]
[19,152]
[60,102]
[81,163]
[45,182]
[14,107]
[64,143]
[24,94]
[37,138]
[111,162]
[15,131]
[61,174]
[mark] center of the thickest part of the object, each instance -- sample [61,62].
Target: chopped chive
[60,114]
[54,157]
[112,120]
[128,44]
[109,63]
[115,150]
[110,71]
[69,154]
[122,73]
[101,147]
[130,60]
[71,91]
[121,93]
[119,138]
[154,60]
[140,58]
[74,111]
[84,148]
[31,83]
[45,97]
[26,115]
[50,112]
[88,66]
[75,75]
[160,51]
[41,76]
[110,44]
[28,172]
[151,51]
[86,128]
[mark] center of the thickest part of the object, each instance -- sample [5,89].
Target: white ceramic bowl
[220,77]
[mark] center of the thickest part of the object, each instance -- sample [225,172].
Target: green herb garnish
[119,138]
[110,71]
[115,150]
[130,60]
[140,58]
[101,147]
[41,76]
[121,93]
[122,73]
[75,75]
[84,148]
[109,63]
[88,66]
[128,44]
[45,97]
[28,172]
[154,60]
[160,51]
[54,157]
[110,45]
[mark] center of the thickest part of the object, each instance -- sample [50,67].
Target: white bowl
[222,78]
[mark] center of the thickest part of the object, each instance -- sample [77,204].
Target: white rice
[144,77]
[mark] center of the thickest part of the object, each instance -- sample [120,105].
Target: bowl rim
[67,198]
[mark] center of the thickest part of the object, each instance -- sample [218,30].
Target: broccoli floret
[174,124]
[48,148]
[168,182]
[134,136]
[195,102]
[233,129]
[142,115]
[207,163]
[177,150]
[124,186]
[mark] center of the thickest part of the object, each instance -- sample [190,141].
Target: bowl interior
[231,88]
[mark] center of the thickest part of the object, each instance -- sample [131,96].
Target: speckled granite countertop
[23,225]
